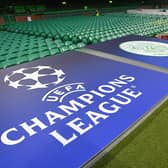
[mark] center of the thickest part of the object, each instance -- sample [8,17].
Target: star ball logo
[34,77]
[79,114]
[41,77]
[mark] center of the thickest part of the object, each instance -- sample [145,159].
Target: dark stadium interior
[77,4]
[35,30]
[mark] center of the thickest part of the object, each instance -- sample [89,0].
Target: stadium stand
[56,30]
[34,9]
[42,38]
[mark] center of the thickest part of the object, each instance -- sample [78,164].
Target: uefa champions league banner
[148,50]
[62,111]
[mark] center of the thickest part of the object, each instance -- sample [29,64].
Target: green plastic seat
[64,48]
[54,51]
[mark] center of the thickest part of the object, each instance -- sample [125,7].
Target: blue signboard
[148,50]
[62,111]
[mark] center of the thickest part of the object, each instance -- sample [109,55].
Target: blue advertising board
[148,50]
[61,111]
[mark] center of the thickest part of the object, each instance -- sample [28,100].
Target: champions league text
[108,99]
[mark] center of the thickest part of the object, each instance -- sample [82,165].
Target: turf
[145,147]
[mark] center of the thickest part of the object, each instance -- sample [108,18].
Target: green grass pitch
[145,147]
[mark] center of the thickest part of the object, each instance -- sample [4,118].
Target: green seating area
[27,41]
[20,9]
[18,48]
[34,9]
